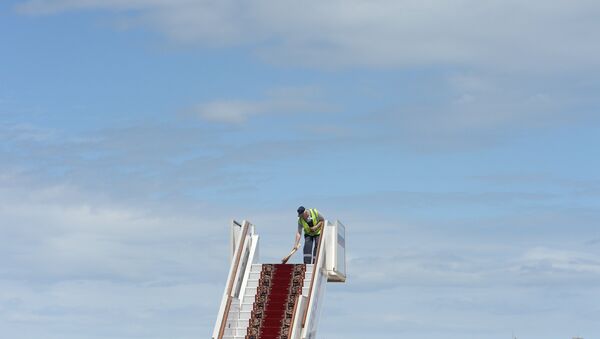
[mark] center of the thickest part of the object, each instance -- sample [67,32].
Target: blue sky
[457,141]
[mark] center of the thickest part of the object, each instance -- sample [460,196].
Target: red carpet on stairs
[278,287]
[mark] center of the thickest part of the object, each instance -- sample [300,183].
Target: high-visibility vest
[314,214]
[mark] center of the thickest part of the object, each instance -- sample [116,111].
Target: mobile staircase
[277,301]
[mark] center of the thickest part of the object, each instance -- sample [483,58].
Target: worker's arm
[296,247]
[297,243]
[319,224]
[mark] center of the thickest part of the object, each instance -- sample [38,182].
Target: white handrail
[319,263]
[233,272]
[296,328]
[252,257]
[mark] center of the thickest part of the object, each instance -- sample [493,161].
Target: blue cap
[301,210]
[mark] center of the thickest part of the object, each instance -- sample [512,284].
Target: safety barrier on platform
[335,248]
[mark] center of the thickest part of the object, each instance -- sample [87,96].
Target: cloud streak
[386,33]
[280,101]
[78,266]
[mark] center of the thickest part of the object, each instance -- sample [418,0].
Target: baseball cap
[300,210]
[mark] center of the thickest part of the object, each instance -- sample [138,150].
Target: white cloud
[545,263]
[229,111]
[59,232]
[74,263]
[106,309]
[25,133]
[77,263]
[473,110]
[524,36]
[415,268]
[279,101]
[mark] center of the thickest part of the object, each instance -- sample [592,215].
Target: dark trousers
[311,244]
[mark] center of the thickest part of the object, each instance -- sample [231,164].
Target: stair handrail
[230,283]
[296,305]
[314,274]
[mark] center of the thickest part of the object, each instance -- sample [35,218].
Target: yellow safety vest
[314,214]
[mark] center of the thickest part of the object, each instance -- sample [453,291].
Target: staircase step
[273,312]
[275,308]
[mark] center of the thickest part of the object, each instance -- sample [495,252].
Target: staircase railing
[293,321]
[233,276]
[315,273]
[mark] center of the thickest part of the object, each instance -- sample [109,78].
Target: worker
[311,222]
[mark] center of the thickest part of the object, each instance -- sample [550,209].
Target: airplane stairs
[277,301]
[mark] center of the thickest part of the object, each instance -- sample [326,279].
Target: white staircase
[239,314]
[234,314]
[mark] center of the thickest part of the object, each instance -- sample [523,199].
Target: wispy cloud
[460,266]
[26,133]
[178,163]
[381,34]
[281,101]
[89,236]
[467,111]
[76,260]
[107,159]
[415,268]
[543,266]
